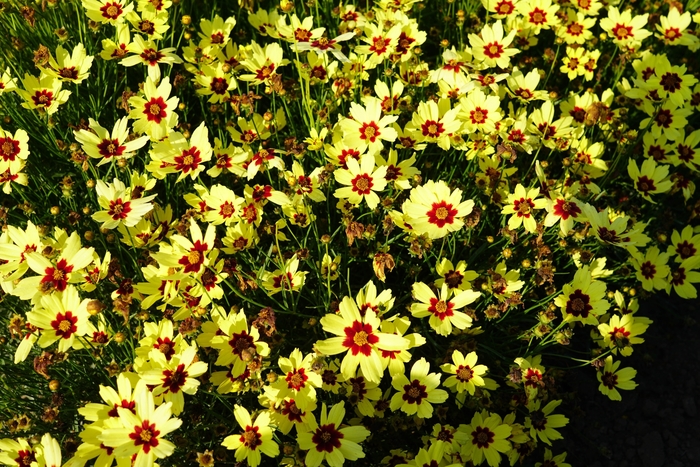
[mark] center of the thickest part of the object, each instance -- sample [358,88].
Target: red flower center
[174,380]
[111,10]
[43,98]
[360,338]
[362,184]
[296,379]
[58,277]
[442,213]
[195,258]
[578,304]
[145,435]
[119,209]
[65,325]
[483,437]
[441,309]
[414,392]
[369,131]
[493,50]
[9,149]
[566,209]
[155,109]
[432,129]
[327,438]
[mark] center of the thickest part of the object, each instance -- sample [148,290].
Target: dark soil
[656,424]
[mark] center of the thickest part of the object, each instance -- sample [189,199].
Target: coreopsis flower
[433,210]
[538,15]
[119,206]
[42,93]
[112,50]
[107,11]
[504,282]
[224,205]
[327,441]
[611,379]
[237,346]
[565,211]
[435,122]
[190,256]
[466,374]
[359,336]
[286,415]
[456,277]
[141,433]
[367,128]
[323,45]
[583,299]
[298,30]
[573,63]
[488,438]
[479,112]
[651,268]
[684,245]
[400,173]
[542,124]
[62,317]
[99,144]
[588,7]
[215,32]
[491,48]
[686,150]
[265,22]
[13,147]
[229,159]
[622,332]
[521,204]
[74,68]
[417,394]
[175,377]
[625,30]
[671,82]
[683,276]
[673,29]
[254,130]
[542,422]
[616,232]
[155,111]
[178,155]
[379,43]
[524,86]
[147,53]
[409,38]
[262,64]
[443,308]
[7,82]
[577,29]
[151,22]
[286,278]
[555,461]
[298,381]
[12,173]
[215,83]
[13,252]
[362,180]
[56,273]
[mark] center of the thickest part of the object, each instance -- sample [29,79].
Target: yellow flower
[417,394]
[625,30]
[491,47]
[141,433]
[434,210]
[443,311]
[467,375]
[367,128]
[327,441]
[42,93]
[621,332]
[521,204]
[583,299]
[362,181]
[107,11]
[611,379]
[155,111]
[487,439]
[542,422]
[359,336]
[255,440]
[74,68]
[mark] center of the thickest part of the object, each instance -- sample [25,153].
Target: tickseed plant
[319,233]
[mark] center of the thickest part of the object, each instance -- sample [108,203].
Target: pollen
[154,109]
[65,325]
[194,257]
[360,338]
